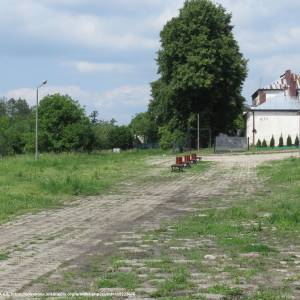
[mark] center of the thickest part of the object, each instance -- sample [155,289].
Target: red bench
[179,164]
[195,157]
[187,161]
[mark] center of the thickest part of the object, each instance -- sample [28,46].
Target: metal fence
[225,143]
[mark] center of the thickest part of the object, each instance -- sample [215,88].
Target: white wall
[273,123]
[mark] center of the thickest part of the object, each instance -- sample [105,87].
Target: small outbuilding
[275,111]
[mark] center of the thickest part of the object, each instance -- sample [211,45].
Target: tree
[102,132]
[296,141]
[64,125]
[272,142]
[94,117]
[280,141]
[121,137]
[201,70]
[289,141]
[264,144]
[143,128]
[15,120]
[258,144]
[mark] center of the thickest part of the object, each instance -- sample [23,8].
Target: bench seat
[177,167]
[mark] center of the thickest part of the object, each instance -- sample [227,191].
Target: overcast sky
[103,53]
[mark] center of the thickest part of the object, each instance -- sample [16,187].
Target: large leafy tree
[201,70]
[64,125]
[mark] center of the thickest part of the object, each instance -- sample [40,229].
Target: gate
[225,143]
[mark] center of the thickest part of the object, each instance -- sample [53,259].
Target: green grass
[199,167]
[3,256]
[128,281]
[260,223]
[27,185]
[225,290]
[283,202]
[179,281]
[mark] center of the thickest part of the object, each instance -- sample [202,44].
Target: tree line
[63,126]
[201,74]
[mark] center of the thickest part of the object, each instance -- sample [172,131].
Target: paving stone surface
[41,243]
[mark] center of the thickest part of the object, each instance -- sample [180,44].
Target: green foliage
[258,144]
[108,136]
[144,128]
[102,132]
[166,138]
[272,142]
[171,138]
[289,141]
[280,141]
[296,141]
[63,125]
[15,122]
[264,143]
[201,70]
[121,137]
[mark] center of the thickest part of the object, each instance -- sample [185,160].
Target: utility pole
[37,121]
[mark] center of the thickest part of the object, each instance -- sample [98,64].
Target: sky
[102,53]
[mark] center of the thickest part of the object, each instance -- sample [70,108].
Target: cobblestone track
[38,244]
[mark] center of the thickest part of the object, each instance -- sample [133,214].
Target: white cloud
[37,20]
[120,103]
[267,31]
[91,67]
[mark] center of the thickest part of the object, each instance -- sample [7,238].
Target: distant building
[274,110]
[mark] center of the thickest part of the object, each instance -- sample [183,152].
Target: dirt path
[38,244]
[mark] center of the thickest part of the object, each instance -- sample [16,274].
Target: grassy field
[249,242]
[27,185]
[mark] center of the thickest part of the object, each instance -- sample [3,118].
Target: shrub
[258,144]
[280,141]
[264,143]
[272,142]
[296,141]
[289,141]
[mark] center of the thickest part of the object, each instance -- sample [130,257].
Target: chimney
[262,97]
[292,84]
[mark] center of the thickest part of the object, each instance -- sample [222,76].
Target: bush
[258,144]
[264,143]
[296,141]
[280,141]
[272,142]
[289,141]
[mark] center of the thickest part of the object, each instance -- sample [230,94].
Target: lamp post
[37,121]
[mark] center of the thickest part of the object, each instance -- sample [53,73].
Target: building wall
[268,123]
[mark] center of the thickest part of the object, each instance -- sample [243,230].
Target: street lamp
[37,120]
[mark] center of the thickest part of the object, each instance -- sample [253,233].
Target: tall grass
[283,201]
[27,185]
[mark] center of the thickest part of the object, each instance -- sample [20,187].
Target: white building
[275,111]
